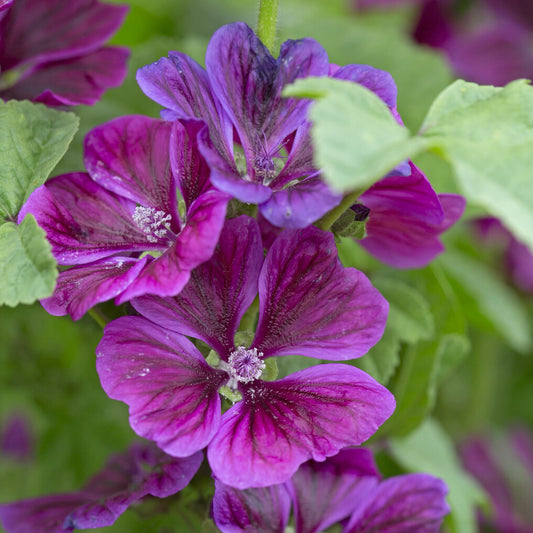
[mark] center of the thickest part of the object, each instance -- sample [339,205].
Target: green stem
[98,316]
[266,22]
[332,216]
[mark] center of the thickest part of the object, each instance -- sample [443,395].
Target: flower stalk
[266,22]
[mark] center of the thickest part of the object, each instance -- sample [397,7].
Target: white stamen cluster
[244,365]
[154,223]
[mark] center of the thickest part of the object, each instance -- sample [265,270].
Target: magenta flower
[16,438]
[308,305]
[125,479]
[503,465]
[119,224]
[343,489]
[52,51]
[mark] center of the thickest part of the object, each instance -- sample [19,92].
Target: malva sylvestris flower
[119,224]
[309,304]
[346,488]
[126,478]
[52,51]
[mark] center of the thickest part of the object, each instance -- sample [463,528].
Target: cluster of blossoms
[159,220]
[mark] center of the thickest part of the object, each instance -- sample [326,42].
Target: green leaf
[27,268]
[356,138]
[410,316]
[495,300]
[486,133]
[33,138]
[430,449]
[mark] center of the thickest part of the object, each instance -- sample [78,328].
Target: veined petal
[401,504]
[82,287]
[279,425]
[39,32]
[130,157]
[211,305]
[309,304]
[249,81]
[300,204]
[74,81]
[83,221]
[324,493]
[259,510]
[168,274]
[171,391]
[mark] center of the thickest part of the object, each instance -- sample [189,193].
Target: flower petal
[39,32]
[281,424]
[169,273]
[83,221]
[300,204]
[402,504]
[82,287]
[309,304]
[79,80]
[130,157]
[211,306]
[259,510]
[327,492]
[170,389]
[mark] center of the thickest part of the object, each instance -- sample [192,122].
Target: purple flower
[405,219]
[503,465]
[518,259]
[345,488]
[308,305]
[125,479]
[16,438]
[52,51]
[119,224]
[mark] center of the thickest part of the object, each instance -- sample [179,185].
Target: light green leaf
[498,302]
[356,138]
[33,138]
[410,316]
[27,268]
[486,133]
[429,449]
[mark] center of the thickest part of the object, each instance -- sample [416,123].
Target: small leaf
[486,133]
[430,449]
[33,138]
[410,316]
[498,302]
[27,268]
[356,138]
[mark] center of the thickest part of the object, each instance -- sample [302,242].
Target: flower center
[245,365]
[155,224]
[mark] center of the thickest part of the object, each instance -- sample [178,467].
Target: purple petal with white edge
[263,439]
[300,204]
[130,157]
[84,222]
[327,492]
[249,81]
[182,85]
[128,477]
[225,176]
[309,304]
[80,80]
[169,273]
[45,514]
[53,30]
[402,504]
[171,391]
[82,287]
[259,510]
[399,235]
[211,305]
[380,82]
[189,168]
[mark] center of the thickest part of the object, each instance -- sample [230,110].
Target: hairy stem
[266,22]
[332,216]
